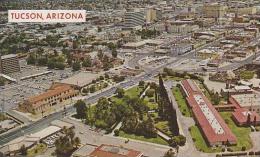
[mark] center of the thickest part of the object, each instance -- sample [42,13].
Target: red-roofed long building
[212,125]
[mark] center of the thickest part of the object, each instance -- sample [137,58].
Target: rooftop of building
[8,56]
[114,151]
[81,79]
[247,100]
[49,93]
[31,139]
[190,87]
[241,115]
[212,124]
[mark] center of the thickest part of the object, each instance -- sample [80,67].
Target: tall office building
[134,19]
[150,15]
[214,10]
[9,64]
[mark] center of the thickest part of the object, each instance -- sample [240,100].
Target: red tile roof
[241,116]
[234,102]
[211,136]
[114,151]
[49,93]
[189,87]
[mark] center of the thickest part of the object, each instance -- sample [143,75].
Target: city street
[88,136]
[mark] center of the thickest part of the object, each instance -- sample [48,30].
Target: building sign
[46,16]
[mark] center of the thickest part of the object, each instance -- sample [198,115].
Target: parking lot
[49,141]
[153,61]
[14,93]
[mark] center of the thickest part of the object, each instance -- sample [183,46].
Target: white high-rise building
[9,64]
[134,19]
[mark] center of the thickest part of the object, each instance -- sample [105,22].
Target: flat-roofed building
[208,54]
[13,147]
[248,101]
[134,45]
[182,28]
[150,15]
[213,127]
[43,102]
[9,64]
[244,10]
[81,79]
[214,10]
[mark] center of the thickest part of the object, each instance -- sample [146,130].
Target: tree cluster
[52,62]
[147,34]
[171,72]
[118,79]
[107,61]
[11,44]
[165,107]
[130,111]
[80,109]
[76,66]
[67,143]
[2,81]
[177,141]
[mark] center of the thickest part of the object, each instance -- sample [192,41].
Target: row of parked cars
[51,140]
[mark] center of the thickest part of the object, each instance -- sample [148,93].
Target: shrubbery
[178,141]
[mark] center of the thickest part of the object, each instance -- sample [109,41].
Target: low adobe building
[213,127]
[244,117]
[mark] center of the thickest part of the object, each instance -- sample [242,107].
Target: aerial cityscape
[131,78]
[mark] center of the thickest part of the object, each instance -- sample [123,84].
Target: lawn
[133,92]
[199,141]
[242,133]
[151,102]
[37,150]
[157,140]
[152,105]
[164,126]
[174,78]
[247,75]
[183,106]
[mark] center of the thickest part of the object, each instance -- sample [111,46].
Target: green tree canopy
[80,109]
[120,92]
[76,66]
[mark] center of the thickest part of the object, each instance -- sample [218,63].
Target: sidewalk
[19,116]
[184,124]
